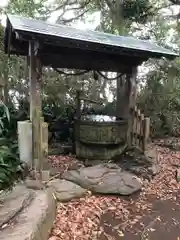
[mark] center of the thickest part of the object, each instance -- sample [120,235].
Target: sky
[91,21]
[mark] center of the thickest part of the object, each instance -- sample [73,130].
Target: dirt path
[163,222]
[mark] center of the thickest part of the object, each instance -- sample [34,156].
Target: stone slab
[35,221]
[66,190]
[13,202]
[105,178]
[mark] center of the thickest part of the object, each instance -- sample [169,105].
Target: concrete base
[35,221]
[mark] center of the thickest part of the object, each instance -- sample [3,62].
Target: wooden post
[78,104]
[126,94]
[141,130]
[35,106]
[146,133]
[32,79]
[43,150]
[130,135]
[76,131]
[32,98]
[120,93]
[133,93]
[45,145]
[138,127]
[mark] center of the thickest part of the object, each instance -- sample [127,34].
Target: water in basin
[99,118]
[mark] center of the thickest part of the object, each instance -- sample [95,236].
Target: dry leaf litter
[81,219]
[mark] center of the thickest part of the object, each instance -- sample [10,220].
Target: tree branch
[65,21]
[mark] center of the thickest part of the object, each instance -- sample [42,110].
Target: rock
[105,178]
[35,221]
[53,238]
[176,146]
[45,175]
[154,169]
[66,190]
[145,183]
[34,184]
[89,163]
[13,203]
[141,164]
[151,153]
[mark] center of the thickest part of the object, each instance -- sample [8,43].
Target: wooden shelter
[60,46]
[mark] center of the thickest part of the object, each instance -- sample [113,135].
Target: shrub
[9,160]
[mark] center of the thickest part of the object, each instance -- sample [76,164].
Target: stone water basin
[102,129]
[99,136]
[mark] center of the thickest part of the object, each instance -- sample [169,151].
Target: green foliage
[5,117]
[138,10]
[9,160]
[160,98]
[9,163]
[29,8]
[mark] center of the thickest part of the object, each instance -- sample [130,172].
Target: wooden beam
[84,63]
[84,59]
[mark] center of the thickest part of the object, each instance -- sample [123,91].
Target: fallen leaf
[120,233]
[152,229]
[84,218]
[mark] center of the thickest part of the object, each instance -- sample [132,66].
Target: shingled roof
[20,30]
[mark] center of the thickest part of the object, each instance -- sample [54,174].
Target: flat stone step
[66,190]
[35,221]
[11,203]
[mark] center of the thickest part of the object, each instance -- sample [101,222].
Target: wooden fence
[138,129]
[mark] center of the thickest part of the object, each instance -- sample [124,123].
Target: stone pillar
[25,142]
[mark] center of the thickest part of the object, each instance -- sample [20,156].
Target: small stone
[154,169]
[66,190]
[45,175]
[53,238]
[34,184]
[145,183]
